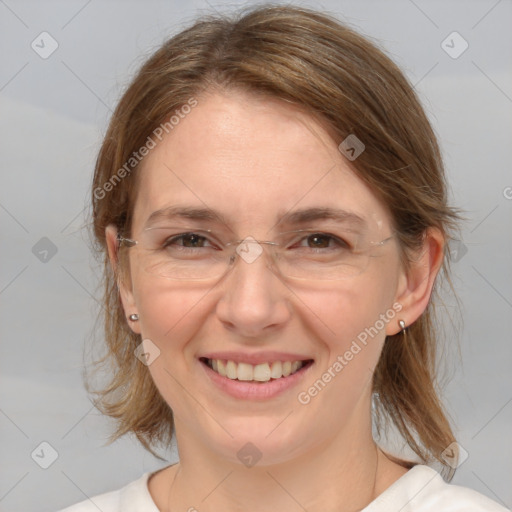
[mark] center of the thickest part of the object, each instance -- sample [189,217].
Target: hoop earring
[401,323]
[133,317]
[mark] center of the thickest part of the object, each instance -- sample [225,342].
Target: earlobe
[417,282]
[122,278]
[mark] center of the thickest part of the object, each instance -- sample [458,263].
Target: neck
[339,475]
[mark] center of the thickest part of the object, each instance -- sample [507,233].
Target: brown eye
[319,241]
[323,241]
[191,240]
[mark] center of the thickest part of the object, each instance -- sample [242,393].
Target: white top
[421,489]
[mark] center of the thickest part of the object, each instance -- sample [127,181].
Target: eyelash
[340,242]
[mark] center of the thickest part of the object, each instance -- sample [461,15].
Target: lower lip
[255,390]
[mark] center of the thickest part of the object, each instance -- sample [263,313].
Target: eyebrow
[185,212]
[305,215]
[294,218]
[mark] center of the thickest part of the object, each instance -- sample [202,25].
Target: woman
[271,205]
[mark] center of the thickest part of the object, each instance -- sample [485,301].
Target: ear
[122,277]
[416,282]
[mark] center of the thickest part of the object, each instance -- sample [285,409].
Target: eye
[324,241]
[188,240]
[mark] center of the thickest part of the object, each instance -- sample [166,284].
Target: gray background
[53,113]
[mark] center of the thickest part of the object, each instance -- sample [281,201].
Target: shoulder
[422,489]
[134,497]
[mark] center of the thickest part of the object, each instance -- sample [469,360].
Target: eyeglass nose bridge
[248,253]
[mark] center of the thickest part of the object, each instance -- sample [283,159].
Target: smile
[263,372]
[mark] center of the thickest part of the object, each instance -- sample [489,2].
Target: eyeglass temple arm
[126,241]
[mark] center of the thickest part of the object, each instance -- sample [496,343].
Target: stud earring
[401,323]
[134,317]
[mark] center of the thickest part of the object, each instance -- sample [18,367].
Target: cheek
[166,310]
[170,316]
[351,320]
[351,309]
[356,317]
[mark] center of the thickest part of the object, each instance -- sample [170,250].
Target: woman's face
[254,162]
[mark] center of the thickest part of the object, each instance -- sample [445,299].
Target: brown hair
[317,63]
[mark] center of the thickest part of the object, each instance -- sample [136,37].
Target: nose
[254,299]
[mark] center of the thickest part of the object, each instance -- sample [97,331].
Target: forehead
[250,159]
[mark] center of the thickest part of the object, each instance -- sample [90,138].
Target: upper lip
[255,358]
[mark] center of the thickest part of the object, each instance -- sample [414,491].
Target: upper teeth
[260,372]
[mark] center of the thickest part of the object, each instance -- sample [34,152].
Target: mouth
[258,373]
